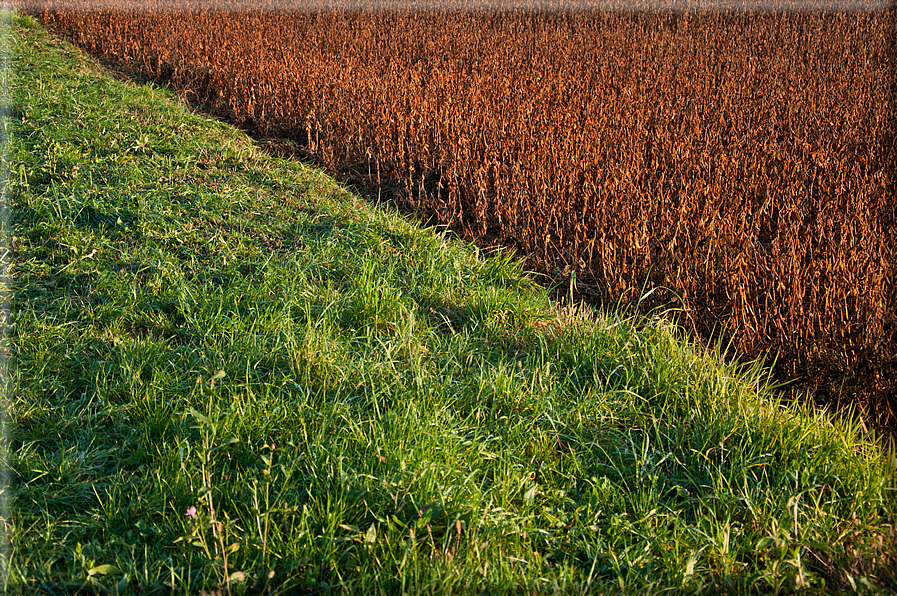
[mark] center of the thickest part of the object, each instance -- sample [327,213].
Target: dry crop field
[743,160]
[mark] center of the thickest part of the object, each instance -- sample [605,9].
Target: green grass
[352,403]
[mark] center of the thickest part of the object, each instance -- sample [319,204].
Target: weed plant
[232,374]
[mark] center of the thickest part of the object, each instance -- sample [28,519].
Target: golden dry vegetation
[742,160]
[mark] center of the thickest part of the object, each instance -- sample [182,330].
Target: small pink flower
[191,511]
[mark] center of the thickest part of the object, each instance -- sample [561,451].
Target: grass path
[230,373]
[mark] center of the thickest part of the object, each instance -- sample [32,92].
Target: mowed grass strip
[232,374]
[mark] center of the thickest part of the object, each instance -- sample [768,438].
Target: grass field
[229,373]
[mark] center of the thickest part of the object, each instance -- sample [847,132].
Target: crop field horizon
[737,164]
[423,6]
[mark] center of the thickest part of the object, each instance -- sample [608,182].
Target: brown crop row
[743,160]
